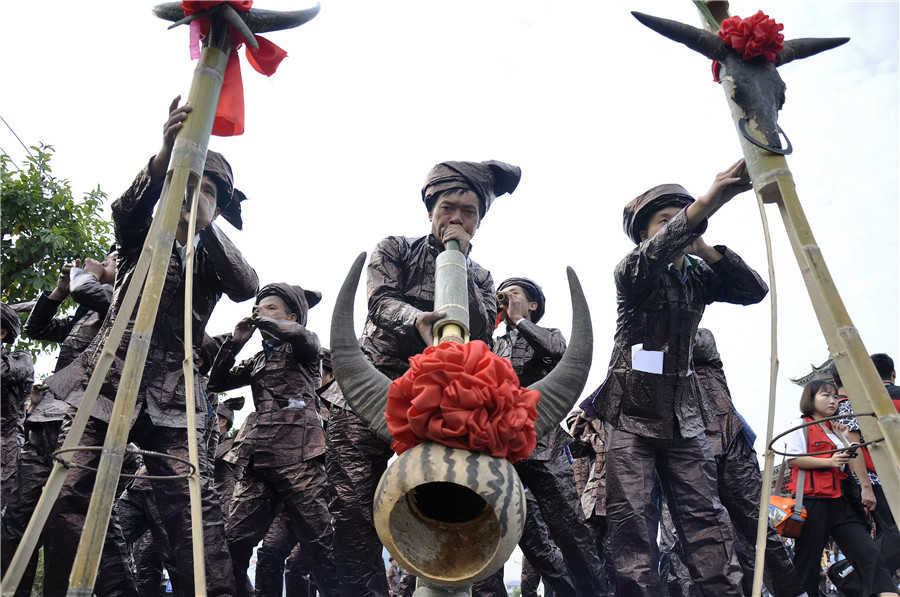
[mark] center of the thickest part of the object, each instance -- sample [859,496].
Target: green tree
[43,226]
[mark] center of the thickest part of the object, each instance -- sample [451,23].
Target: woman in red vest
[828,513]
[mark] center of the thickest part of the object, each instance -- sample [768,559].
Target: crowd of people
[657,451]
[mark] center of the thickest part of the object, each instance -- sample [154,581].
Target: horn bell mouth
[451,517]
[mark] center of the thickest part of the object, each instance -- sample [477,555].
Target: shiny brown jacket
[708,365]
[17,372]
[536,352]
[400,286]
[661,308]
[219,268]
[74,332]
[283,378]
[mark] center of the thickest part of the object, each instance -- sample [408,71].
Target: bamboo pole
[189,398]
[773,183]
[188,157]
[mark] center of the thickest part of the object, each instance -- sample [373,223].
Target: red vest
[820,482]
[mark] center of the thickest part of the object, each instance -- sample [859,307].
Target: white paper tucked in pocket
[649,361]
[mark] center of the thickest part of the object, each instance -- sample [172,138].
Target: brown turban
[299,301]
[488,180]
[228,198]
[639,209]
[11,323]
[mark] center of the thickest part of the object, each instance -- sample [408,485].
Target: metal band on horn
[561,388]
[364,387]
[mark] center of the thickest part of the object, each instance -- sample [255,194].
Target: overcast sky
[593,106]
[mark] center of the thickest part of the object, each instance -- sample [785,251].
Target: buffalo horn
[795,49]
[261,21]
[696,39]
[256,20]
[235,20]
[364,387]
[561,388]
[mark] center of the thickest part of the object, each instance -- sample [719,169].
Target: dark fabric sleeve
[642,265]
[305,343]
[132,212]
[546,342]
[393,317]
[41,323]
[233,274]
[224,375]
[734,281]
[482,305]
[90,293]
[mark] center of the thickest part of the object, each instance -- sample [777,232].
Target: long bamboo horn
[364,387]
[561,388]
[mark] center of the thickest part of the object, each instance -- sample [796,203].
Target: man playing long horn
[651,398]
[400,287]
[159,422]
[534,351]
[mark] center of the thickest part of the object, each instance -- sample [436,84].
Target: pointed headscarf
[228,198]
[488,180]
[298,300]
[639,209]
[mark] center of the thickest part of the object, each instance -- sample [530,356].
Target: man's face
[207,209]
[224,425]
[514,296]
[657,220]
[109,269]
[275,308]
[459,209]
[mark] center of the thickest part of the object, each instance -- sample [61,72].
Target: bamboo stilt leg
[189,398]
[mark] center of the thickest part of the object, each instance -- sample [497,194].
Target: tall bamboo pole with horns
[773,183]
[182,181]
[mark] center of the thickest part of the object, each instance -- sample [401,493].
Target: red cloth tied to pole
[758,35]
[229,119]
[463,396]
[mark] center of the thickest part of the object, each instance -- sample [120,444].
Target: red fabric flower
[229,119]
[463,396]
[756,36]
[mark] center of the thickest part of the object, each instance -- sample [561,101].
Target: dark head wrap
[11,323]
[299,301]
[532,291]
[227,407]
[488,180]
[228,198]
[639,209]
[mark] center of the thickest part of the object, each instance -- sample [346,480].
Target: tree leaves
[43,227]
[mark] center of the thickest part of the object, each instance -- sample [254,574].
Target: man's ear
[216,214]
[292,317]
[644,235]
[431,215]
[532,306]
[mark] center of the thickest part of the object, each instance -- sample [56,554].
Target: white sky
[593,106]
